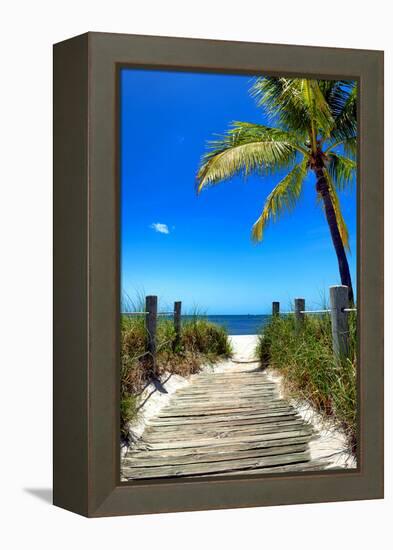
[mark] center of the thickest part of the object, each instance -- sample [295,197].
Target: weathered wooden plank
[213,404]
[251,374]
[149,461]
[214,413]
[223,432]
[206,442]
[215,388]
[197,453]
[260,402]
[214,467]
[260,399]
[183,416]
[307,466]
[216,404]
[199,411]
[257,377]
[238,419]
[206,427]
[217,435]
[214,381]
[237,391]
[229,389]
[224,398]
[258,373]
[229,386]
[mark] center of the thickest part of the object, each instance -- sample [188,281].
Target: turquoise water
[239,324]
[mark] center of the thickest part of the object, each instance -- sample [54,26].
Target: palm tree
[314,129]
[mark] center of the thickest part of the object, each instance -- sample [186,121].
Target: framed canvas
[197,368]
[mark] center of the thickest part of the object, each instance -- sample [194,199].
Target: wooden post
[300,306]
[151,327]
[340,329]
[275,308]
[177,323]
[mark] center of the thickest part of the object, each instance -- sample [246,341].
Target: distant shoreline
[240,325]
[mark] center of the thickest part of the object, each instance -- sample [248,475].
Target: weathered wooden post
[275,308]
[177,323]
[151,328]
[339,317]
[300,306]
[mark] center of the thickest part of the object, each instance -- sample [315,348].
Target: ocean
[239,324]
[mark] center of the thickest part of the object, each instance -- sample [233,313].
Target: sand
[330,443]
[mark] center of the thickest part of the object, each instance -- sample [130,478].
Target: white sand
[151,401]
[330,443]
[243,359]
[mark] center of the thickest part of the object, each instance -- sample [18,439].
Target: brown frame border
[86,274]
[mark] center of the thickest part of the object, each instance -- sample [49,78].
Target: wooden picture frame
[86,275]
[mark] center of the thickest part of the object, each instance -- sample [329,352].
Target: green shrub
[306,361]
[201,336]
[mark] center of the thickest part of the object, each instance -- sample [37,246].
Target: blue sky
[198,249]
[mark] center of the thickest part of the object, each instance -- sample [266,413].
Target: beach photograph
[238,265]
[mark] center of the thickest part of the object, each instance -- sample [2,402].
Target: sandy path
[243,359]
[244,347]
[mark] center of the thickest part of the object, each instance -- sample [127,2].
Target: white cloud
[160,228]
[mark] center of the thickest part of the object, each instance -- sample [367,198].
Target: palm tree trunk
[323,190]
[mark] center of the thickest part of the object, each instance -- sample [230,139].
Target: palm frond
[337,94]
[342,170]
[283,198]
[342,226]
[282,103]
[345,125]
[244,149]
[296,103]
[249,131]
[348,145]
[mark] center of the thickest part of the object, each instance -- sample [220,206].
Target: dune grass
[310,372]
[201,342]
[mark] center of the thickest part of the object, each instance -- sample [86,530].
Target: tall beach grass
[310,371]
[200,342]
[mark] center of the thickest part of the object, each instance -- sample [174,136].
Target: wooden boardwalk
[221,424]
